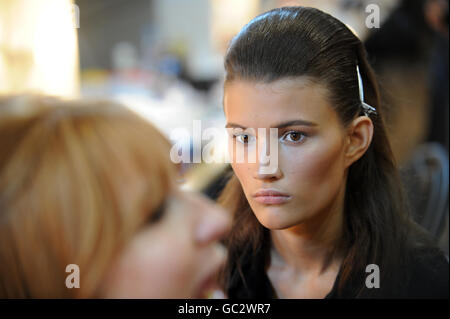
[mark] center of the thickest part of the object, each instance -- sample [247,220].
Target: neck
[312,246]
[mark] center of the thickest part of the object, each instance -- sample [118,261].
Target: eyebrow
[280,125]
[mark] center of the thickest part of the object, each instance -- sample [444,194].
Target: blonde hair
[77,181]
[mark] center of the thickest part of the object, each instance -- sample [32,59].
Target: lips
[271,197]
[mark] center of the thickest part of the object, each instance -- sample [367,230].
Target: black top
[428,279]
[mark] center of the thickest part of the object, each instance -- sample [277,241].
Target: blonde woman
[91,186]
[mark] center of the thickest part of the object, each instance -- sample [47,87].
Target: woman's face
[176,256]
[311,172]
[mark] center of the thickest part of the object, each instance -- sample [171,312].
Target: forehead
[254,104]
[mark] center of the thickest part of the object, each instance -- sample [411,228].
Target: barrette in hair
[367,109]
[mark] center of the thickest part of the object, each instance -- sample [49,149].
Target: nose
[267,167]
[264,171]
[214,222]
[263,174]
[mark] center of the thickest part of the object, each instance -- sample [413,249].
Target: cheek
[243,172]
[175,260]
[156,266]
[316,169]
[166,267]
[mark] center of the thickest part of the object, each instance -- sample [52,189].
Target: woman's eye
[293,136]
[244,138]
[158,213]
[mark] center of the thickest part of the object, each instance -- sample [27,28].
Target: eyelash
[237,136]
[303,136]
[158,214]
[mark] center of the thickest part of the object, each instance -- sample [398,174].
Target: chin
[274,220]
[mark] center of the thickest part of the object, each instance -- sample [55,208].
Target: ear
[358,140]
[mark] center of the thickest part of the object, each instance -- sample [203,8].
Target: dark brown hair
[297,41]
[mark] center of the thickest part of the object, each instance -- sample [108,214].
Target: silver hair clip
[367,109]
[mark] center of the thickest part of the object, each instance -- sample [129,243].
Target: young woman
[330,221]
[92,185]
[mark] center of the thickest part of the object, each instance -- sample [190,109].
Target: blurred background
[164,59]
